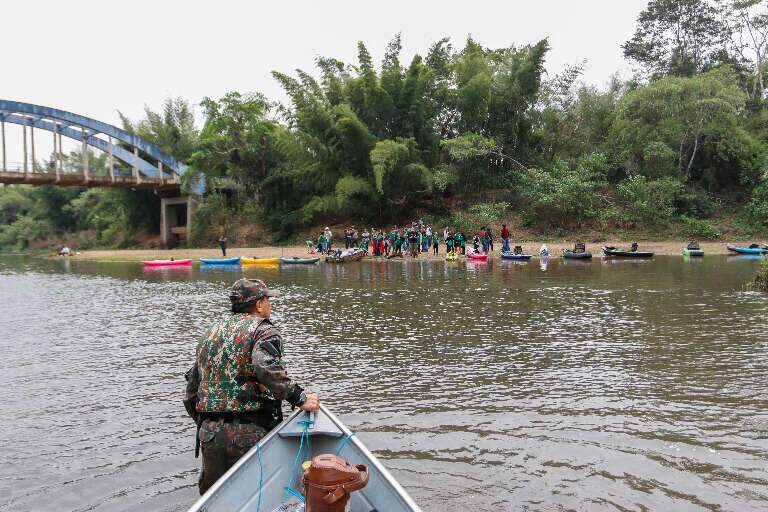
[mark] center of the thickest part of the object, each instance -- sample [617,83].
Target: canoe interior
[238,490]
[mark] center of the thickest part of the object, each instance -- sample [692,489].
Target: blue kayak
[220,261]
[509,255]
[747,250]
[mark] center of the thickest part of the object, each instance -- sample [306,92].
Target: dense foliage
[683,140]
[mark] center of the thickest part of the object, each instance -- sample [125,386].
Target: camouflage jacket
[239,368]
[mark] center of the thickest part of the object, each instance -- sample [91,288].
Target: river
[597,386]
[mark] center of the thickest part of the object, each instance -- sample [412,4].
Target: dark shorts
[223,443]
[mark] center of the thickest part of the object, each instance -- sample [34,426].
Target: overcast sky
[97,57]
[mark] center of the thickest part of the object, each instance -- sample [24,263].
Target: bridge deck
[78,180]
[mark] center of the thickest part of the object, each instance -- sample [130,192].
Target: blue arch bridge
[131,162]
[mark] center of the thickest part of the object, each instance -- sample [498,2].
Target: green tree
[676,37]
[565,195]
[688,128]
[746,29]
[172,130]
[237,142]
[648,202]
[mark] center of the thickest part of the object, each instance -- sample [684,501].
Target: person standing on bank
[504,238]
[223,245]
[236,387]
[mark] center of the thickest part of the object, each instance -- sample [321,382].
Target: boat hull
[746,250]
[512,256]
[271,463]
[299,261]
[694,253]
[616,253]
[576,255]
[358,254]
[260,261]
[167,263]
[220,261]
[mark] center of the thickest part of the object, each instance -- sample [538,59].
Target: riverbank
[673,248]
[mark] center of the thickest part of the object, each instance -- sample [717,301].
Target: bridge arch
[92,127]
[145,168]
[151,167]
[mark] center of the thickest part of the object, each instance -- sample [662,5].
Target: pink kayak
[477,256]
[167,263]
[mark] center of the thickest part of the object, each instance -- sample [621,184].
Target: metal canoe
[271,463]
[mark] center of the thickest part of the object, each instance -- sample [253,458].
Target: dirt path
[555,249]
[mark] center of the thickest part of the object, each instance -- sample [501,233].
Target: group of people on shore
[412,240]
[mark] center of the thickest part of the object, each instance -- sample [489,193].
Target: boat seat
[579,247]
[323,426]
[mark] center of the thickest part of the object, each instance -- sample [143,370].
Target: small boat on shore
[610,251]
[693,250]
[571,255]
[167,263]
[477,256]
[516,254]
[260,261]
[752,249]
[220,261]
[346,256]
[267,479]
[299,261]
[579,252]
[508,255]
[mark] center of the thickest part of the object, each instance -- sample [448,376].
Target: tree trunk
[693,155]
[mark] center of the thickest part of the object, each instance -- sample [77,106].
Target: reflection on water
[605,385]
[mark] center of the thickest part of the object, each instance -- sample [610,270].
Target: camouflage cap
[245,291]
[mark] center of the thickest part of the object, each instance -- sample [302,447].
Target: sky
[97,57]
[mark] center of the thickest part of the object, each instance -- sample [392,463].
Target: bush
[23,231]
[488,213]
[756,211]
[698,228]
[694,202]
[443,177]
[761,279]
[651,202]
[209,219]
[564,195]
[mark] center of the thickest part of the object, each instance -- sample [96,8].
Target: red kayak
[477,256]
[167,263]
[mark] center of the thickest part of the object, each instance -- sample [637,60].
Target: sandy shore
[555,249]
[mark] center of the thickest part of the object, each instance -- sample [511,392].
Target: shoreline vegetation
[660,248]
[462,135]
[761,279]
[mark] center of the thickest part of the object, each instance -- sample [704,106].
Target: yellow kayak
[260,261]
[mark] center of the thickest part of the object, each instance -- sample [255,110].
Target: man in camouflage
[236,387]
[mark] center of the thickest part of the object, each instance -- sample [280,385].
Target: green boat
[693,250]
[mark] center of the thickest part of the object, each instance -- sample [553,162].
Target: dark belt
[247,418]
[264,417]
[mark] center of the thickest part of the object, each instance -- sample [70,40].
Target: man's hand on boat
[312,403]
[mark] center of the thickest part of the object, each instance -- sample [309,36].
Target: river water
[597,386]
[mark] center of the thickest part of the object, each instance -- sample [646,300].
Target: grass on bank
[761,279]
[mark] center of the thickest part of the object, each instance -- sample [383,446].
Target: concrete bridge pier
[176,219]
